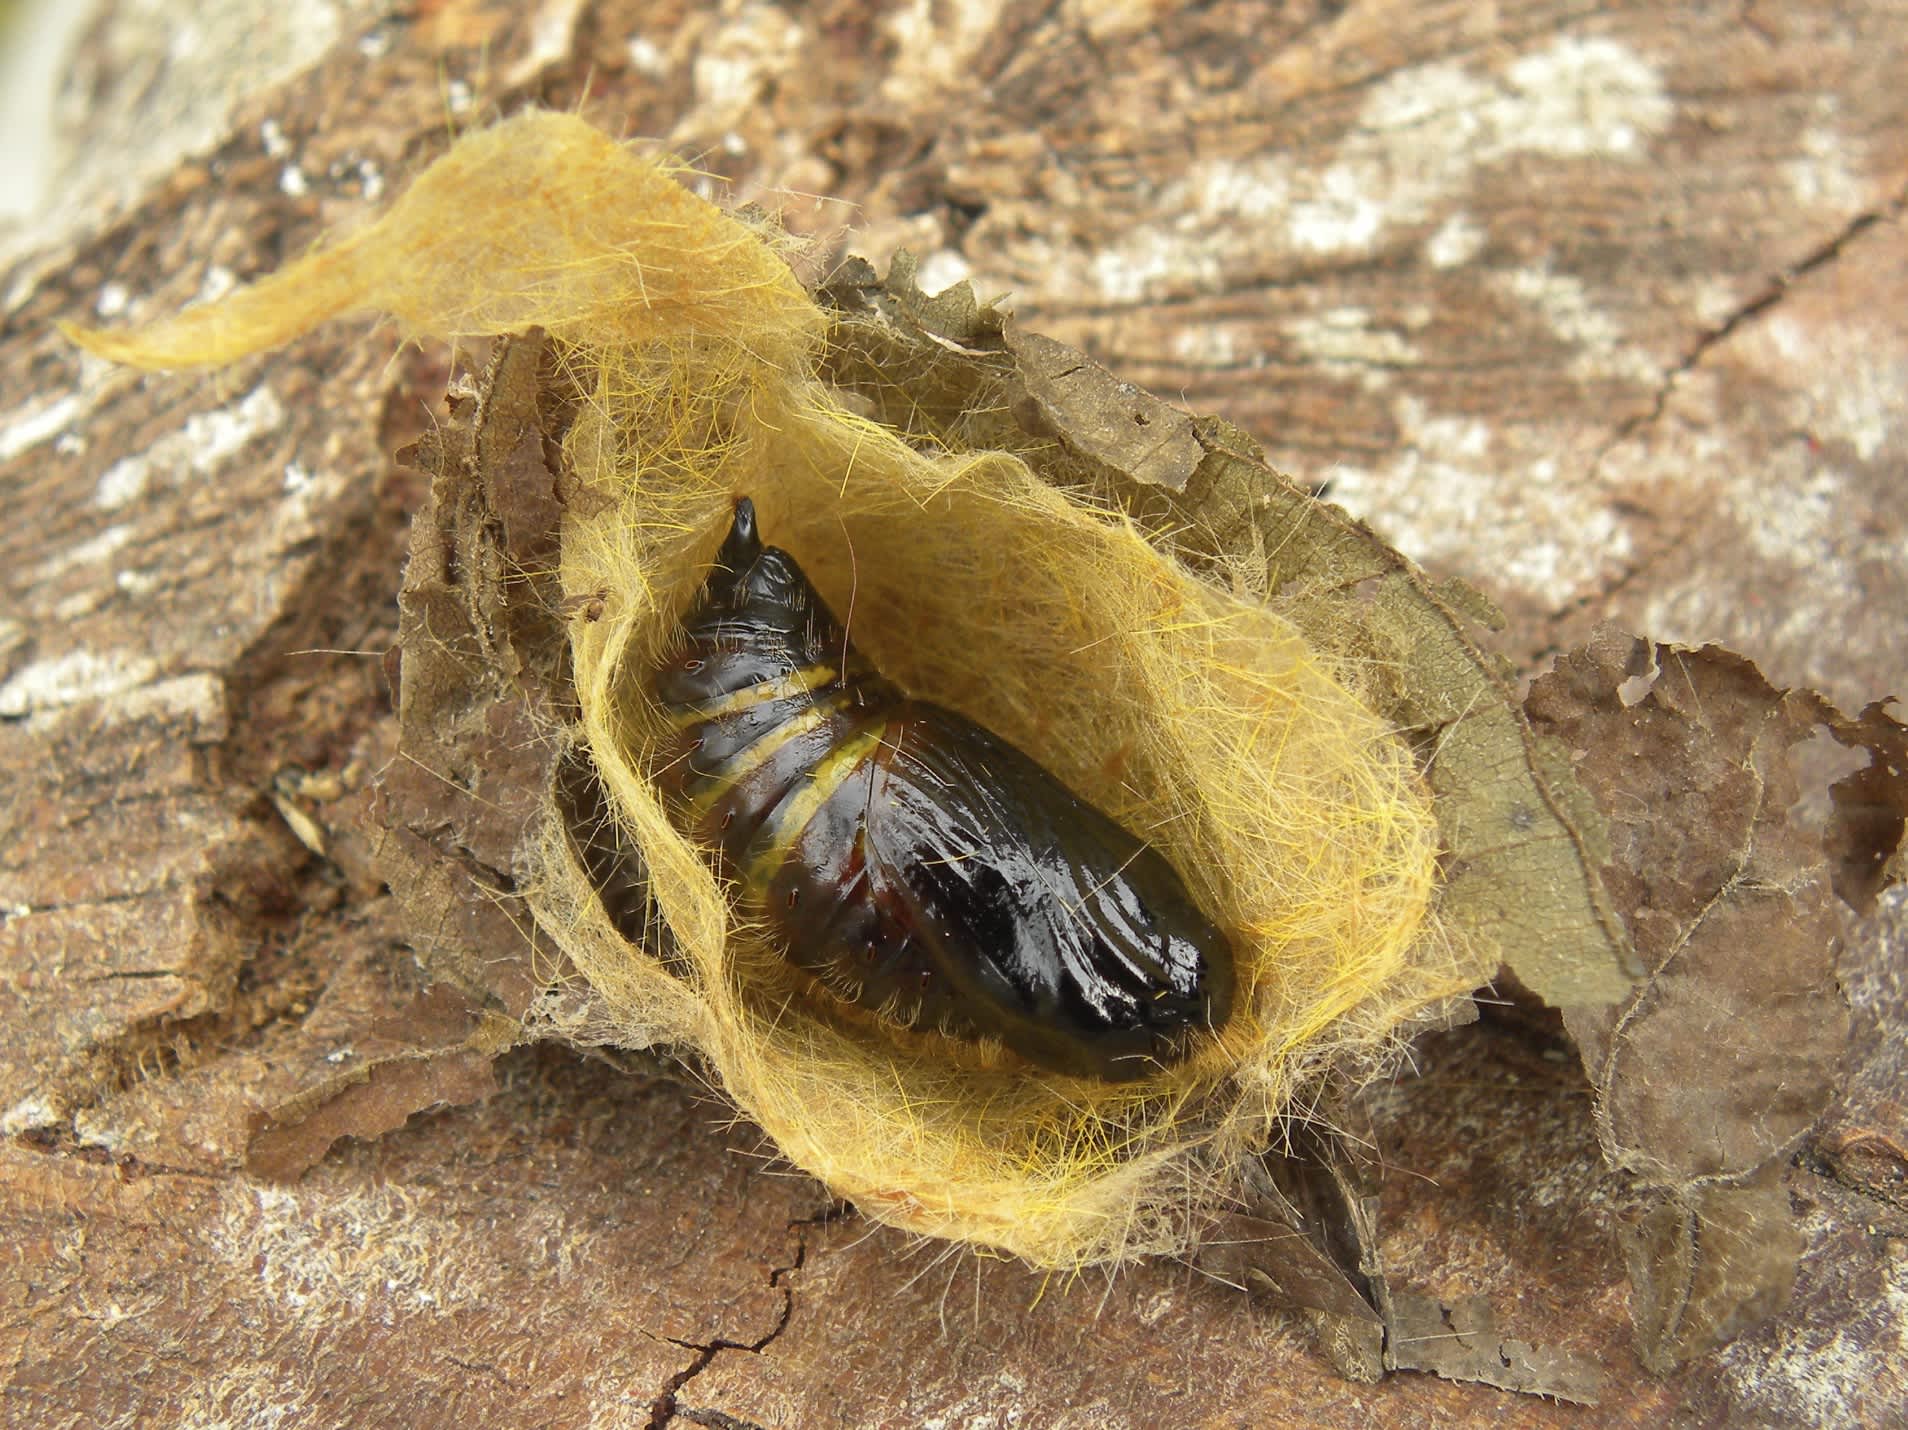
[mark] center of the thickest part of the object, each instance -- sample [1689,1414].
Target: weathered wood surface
[1599,309]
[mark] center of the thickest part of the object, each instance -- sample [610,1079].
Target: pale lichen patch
[198,448]
[74,675]
[1581,97]
[552,37]
[1207,345]
[1148,260]
[36,1111]
[1449,483]
[936,44]
[1201,240]
[1345,212]
[300,514]
[1853,374]
[195,702]
[1792,516]
[138,580]
[942,269]
[217,282]
[1426,131]
[52,417]
[1419,141]
[77,605]
[1254,188]
[1346,337]
[1789,506]
[1457,241]
[737,64]
[271,134]
[37,420]
[1716,300]
[84,553]
[1830,172]
[646,56]
[1565,305]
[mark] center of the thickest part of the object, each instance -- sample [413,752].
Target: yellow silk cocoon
[1204,723]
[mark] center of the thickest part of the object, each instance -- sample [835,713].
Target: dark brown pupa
[912,862]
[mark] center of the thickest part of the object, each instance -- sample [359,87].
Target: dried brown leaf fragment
[1738,867]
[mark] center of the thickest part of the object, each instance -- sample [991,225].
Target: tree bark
[1597,311]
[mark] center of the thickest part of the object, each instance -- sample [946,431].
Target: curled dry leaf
[483,677]
[1461,1341]
[1290,1236]
[436,1051]
[1708,1261]
[1734,1044]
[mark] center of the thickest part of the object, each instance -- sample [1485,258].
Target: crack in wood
[1773,291]
[665,1408]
